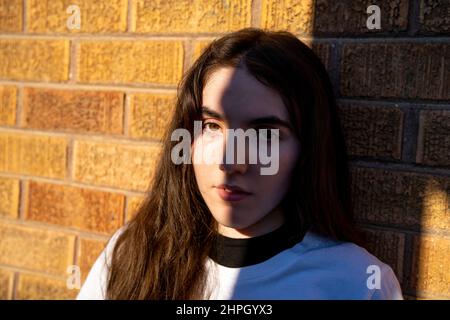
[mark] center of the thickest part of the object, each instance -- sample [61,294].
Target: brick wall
[82,112]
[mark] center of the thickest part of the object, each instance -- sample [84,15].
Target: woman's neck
[270,222]
[237,253]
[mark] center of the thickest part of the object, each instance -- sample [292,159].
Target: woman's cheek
[208,149]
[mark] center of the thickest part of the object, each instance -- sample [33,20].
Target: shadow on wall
[391,93]
[80,118]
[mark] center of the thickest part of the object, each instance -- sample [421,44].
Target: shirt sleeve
[390,287]
[94,287]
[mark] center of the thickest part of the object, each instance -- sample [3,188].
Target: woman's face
[232,99]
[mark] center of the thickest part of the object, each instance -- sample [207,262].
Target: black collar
[237,253]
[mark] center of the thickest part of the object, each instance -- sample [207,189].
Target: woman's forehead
[234,93]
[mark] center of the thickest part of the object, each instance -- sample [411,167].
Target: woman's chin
[230,221]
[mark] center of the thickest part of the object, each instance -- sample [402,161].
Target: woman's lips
[231,194]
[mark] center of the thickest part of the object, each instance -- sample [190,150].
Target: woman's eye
[211,126]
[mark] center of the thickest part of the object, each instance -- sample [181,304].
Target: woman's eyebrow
[271,120]
[211,113]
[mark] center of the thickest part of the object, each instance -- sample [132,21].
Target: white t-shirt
[315,268]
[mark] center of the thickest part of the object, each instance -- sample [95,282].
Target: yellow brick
[424,297]
[85,209]
[45,60]
[11,15]
[34,155]
[389,247]
[383,196]
[95,16]
[130,62]
[436,204]
[6,284]
[117,165]
[89,251]
[190,16]
[199,47]
[430,269]
[8,105]
[322,50]
[41,250]
[37,287]
[132,206]
[73,110]
[150,114]
[9,197]
[433,139]
[291,15]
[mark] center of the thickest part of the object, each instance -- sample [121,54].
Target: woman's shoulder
[343,251]
[352,264]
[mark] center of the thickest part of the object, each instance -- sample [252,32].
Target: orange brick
[89,251]
[190,16]
[372,131]
[119,165]
[6,284]
[36,249]
[199,47]
[95,16]
[37,287]
[434,17]
[132,206]
[292,15]
[73,110]
[325,17]
[80,208]
[322,50]
[401,199]
[8,105]
[389,247]
[423,297]
[430,267]
[400,70]
[130,61]
[150,114]
[350,17]
[9,197]
[33,154]
[44,60]
[11,15]
[434,142]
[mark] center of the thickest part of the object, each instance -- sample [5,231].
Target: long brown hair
[161,252]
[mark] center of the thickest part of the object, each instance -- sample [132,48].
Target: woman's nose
[234,157]
[233,168]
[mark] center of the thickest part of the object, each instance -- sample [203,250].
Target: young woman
[223,230]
